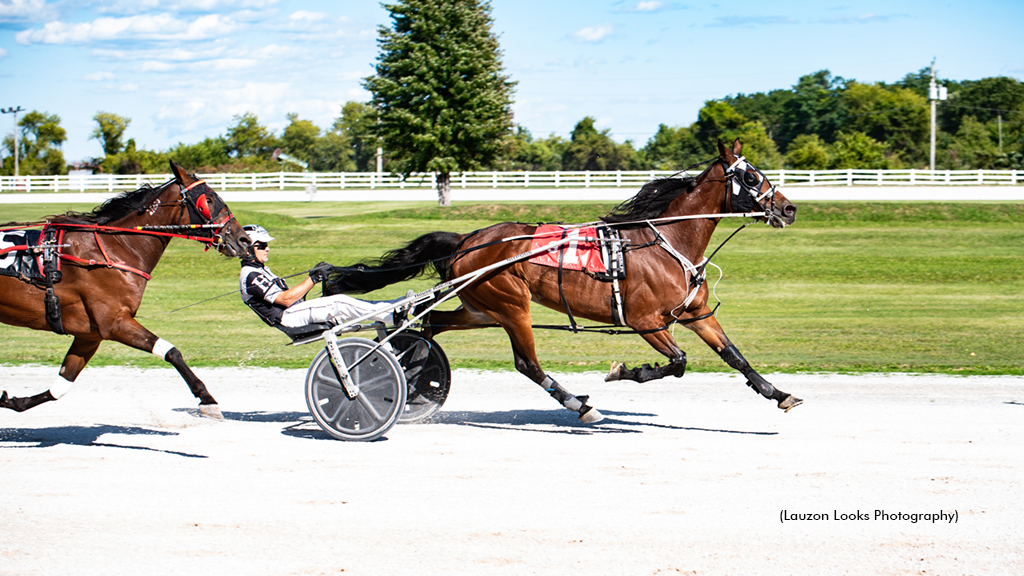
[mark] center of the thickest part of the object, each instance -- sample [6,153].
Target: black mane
[117,207]
[651,201]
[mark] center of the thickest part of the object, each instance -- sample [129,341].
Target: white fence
[326,181]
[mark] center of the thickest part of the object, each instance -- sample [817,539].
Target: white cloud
[594,33]
[99,77]
[147,27]
[21,10]
[306,16]
[140,6]
[649,6]
[3,53]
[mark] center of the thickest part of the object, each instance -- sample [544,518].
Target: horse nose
[789,210]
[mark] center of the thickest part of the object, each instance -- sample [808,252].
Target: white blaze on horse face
[161,347]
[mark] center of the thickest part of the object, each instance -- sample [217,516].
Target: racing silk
[260,287]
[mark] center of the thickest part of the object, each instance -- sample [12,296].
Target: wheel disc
[427,374]
[382,391]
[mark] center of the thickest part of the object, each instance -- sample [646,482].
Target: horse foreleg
[710,331]
[82,349]
[663,342]
[131,333]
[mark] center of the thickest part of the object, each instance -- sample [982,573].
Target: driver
[278,305]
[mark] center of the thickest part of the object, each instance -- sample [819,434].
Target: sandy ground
[691,476]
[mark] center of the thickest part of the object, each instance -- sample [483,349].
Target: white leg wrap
[161,347]
[59,387]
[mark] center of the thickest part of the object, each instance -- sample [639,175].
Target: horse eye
[751,179]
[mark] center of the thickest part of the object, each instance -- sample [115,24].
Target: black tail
[434,249]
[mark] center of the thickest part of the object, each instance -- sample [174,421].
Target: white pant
[338,307]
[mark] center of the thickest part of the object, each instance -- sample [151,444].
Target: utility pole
[935,93]
[13,110]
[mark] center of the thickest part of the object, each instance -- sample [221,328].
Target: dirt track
[684,477]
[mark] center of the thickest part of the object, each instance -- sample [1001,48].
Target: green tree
[535,154]
[250,138]
[299,138]
[39,142]
[332,152]
[672,149]
[984,100]
[356,125]
[443,99]
[592,150]
[971,148]
[858,150]
[110,132]
[897,117]
[816,107]
[207,156]
[131,160]
[768,109]
[807,152]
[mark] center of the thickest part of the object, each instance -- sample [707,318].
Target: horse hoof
[210,411]
[591,416]
[790,402]
[616,372]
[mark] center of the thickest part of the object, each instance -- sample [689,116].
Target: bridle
[201,208]
[194,199]
[743,189]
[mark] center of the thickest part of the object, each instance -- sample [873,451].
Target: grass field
[851,287]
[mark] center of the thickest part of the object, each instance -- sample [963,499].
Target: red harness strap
[106,260]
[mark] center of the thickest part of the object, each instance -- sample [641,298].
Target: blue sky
[181,69]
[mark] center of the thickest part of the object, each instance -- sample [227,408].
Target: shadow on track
[81,436]
[301,425]
[567,422]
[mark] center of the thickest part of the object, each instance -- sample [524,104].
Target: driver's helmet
[257,233]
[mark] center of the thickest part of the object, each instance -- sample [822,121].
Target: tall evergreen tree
[443,99]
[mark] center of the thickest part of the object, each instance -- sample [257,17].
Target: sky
[181,70]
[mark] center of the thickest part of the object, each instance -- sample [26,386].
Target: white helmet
[257,233]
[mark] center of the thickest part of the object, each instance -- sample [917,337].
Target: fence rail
[310,181]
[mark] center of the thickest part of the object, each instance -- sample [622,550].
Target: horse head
[748,189]
[206,209]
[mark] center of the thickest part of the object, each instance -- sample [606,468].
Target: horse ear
[736,147]
[721,149]
[180,174]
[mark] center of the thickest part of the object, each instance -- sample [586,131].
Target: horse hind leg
[528,365]
[81,351]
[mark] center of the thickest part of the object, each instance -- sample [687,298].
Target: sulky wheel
[427,373]
[382,391]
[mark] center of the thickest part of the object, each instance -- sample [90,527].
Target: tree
[202,157]
[592,150]
[672,149]
[356,124]
[807,152]
[39,145]
[816,107]
[898,117]
[443,99]
[971,148]
[528,153]
[250,138]
[110,132]
[299,137]
[858,150]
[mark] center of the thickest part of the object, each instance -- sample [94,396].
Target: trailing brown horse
[664,235]
[83,274]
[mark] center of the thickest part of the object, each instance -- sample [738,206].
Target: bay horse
[664,252]
[93,268]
